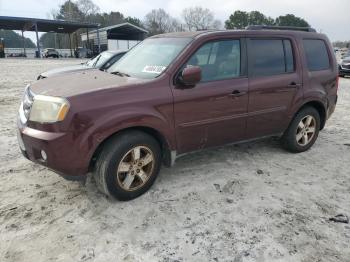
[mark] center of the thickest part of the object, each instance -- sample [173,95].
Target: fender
[315,96]
[115,121]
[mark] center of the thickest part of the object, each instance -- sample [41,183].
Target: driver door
[214,112]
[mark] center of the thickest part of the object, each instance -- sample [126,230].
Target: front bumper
[344,71]
[61,150]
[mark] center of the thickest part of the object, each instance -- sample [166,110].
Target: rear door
[275,82]
[214,111]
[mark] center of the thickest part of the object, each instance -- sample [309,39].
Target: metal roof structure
[124,27]
[123,31]
[43,25]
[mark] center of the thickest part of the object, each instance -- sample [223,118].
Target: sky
[329,17]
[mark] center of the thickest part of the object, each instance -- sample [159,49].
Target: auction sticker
[152,69]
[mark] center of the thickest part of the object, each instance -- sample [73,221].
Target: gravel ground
[247,202]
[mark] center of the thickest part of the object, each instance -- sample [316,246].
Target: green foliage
[241,19]
[291,20]
[238,20]
[14,40]
[134,21]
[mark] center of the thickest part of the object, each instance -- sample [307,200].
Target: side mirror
[190,76]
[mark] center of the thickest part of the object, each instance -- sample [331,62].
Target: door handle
[294,85]
[237,93]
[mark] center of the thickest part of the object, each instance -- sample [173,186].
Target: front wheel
[128,165]
[303,131]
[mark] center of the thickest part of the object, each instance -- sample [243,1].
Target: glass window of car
[150,58]
[100,60]
[112,61]
[316,54]
[271,57]
[218,60]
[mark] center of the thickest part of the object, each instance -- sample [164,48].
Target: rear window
[271,57]
[316,54]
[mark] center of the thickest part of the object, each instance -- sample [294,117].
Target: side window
[271,57]
[218,60]
[316,54]
[112,61]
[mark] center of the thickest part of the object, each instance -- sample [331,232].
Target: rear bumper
[332,102]
[61,150]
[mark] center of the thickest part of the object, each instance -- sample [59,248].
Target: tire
[119,154]
[297,139]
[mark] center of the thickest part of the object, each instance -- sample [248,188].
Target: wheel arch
[321,109]
[160,138]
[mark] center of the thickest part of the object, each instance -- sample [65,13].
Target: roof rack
[270,27]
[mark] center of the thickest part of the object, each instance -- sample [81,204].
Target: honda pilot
[177,93]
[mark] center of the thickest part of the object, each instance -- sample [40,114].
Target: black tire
[289,138]
[113,151]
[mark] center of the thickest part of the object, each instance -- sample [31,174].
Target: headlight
[48,109]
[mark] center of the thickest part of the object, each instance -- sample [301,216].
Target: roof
[127,27]
[240,32]
[44,25]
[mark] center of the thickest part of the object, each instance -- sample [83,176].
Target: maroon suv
[176,93]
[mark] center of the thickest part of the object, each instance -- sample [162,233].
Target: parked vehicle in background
[82,52]
[345,54]
[177,93]
[344,67]
[51,52]
[102,61]
[17,55]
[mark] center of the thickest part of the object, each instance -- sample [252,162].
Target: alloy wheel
[135,168]
[306,130]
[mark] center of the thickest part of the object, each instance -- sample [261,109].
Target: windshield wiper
[118,73]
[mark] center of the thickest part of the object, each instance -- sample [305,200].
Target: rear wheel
[303,131]
[128,165]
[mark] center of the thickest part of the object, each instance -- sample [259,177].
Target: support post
[87,38]
[24,45]
[70,45]
[98,40]
[37,39]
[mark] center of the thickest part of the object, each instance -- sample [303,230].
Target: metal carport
[45,25]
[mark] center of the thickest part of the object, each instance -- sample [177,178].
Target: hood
[65,69]
[67,85]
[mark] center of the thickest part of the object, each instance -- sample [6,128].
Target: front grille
[27,102]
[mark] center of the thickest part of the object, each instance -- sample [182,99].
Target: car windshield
[99,60]
[149,58]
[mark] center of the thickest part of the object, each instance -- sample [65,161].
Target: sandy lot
[248,202]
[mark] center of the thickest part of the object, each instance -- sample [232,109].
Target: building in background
[116,37]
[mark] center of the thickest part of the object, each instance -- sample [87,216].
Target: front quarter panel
[101,114]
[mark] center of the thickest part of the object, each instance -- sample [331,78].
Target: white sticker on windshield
[153,69]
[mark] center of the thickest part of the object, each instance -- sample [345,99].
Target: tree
[87,7]
[14,40]
[291,20]
[257,18]
[158,22]
[70,11]
[134,21]
[198,18]
[237,20]
[240,19]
